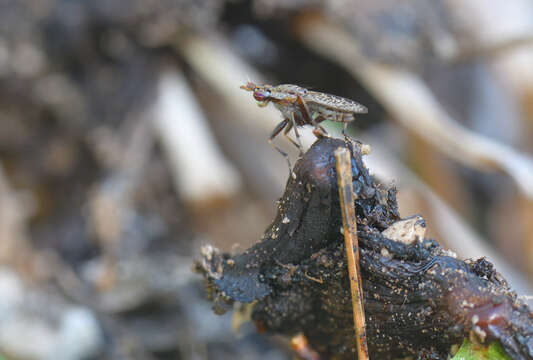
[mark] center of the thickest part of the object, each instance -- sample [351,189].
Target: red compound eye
[259,96]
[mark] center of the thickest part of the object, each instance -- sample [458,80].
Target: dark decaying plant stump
[419,299]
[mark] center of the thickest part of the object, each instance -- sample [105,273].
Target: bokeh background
[126,144]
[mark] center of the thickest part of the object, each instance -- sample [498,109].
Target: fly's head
[261,93]
[281,94]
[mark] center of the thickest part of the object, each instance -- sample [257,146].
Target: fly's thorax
[287,93]
[291,89]
[289,109]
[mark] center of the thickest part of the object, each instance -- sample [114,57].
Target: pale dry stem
[346,195]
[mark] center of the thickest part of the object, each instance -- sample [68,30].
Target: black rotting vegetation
[419,299]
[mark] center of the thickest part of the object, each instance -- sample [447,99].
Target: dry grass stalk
[346,195]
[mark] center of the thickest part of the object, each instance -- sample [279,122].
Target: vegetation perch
[419,299]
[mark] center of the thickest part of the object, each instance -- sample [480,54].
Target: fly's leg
[293,124]
[286,133]
[305,111]
[310,119]
[347,138]
[275,133]
[318,133]
[345,126]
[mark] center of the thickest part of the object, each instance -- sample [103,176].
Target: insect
[300,106]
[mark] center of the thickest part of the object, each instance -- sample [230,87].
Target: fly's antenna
[250,86]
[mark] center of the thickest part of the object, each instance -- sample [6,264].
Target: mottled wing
[334,102]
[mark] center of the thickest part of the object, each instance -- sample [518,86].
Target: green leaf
[471,351]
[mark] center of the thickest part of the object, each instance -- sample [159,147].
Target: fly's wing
[334,102]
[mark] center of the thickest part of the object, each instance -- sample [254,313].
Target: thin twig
[344,178]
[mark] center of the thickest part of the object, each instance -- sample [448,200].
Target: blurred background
[126,144]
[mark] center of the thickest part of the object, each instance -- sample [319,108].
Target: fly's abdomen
[330,114]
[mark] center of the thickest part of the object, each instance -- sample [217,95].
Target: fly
[300,106]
